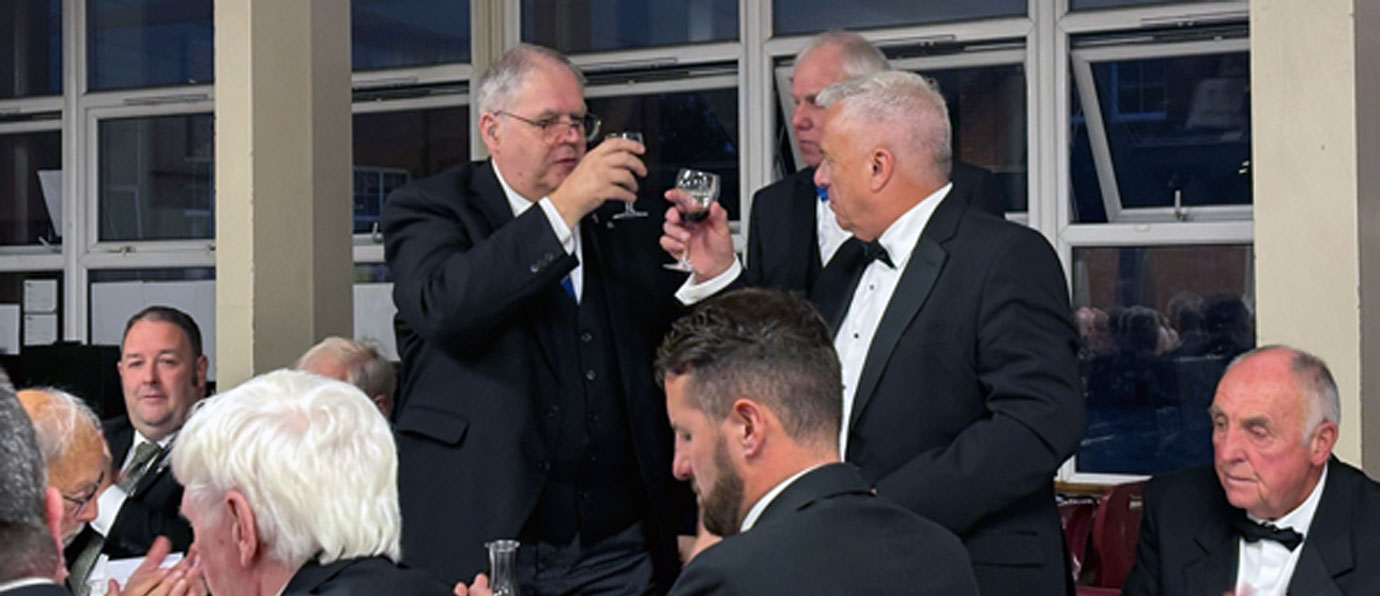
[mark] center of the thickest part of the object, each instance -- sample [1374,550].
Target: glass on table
[502,563]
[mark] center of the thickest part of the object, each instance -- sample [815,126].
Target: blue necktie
[822,193]
[569,286]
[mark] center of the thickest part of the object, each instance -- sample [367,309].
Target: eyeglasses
[552,129]
[80,502]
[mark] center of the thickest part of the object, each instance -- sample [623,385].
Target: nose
[822,175]
[1226,445]
[89,511]
[800,118]
[680,466]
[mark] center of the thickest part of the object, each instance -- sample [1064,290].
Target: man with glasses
[527,317]
[69,437]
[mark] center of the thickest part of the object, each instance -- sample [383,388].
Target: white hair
[365,367]
[860,57]
[903,105]
[56,421]
[503,78]
[312,457]
[1316,386]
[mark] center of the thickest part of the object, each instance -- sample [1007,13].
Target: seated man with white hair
[291,488]
[75,453]
[357,363]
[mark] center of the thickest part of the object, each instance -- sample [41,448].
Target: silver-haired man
[357,363]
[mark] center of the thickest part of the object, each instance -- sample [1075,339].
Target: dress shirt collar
[902,235]
[25,582]
[1302,516]
[755,512]
[516,202]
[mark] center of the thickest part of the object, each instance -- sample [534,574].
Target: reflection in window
[793,17]
[684,129]
[1158,327]
[149,43]
[573,26]
[1173,126]
[27,161]
[394,148]
[156,179]
[39,325]
[402,33]
[988,118]
[31,54]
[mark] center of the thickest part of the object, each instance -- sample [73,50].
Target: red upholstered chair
[1116,525]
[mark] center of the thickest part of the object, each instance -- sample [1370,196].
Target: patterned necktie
[144,454]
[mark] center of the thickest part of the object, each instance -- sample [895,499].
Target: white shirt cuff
[558,226]
[691,292]
[109,504]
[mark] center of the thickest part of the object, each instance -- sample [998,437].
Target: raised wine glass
[702,189]
[628,209]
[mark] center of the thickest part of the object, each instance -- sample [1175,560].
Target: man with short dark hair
[1277,513]
[30,512]
[752,391]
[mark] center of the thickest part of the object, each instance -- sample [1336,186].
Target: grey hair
[1315,384]
[902,104]
[55,422]
[860,57]
[502,79]
[365,367]
[27,548]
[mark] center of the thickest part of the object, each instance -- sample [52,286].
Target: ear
[488,129]
[52,515]
[881,165]
[202,365]
[384,404]
[750,421]
[1320,445]
[244,531]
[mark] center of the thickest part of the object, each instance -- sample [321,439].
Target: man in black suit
[959,356]
[1277,513]
[291,490]
[30,511]
[752,392]
[163,374]
[526,321]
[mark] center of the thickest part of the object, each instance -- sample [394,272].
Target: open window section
[31,54]
[149,43]
[409,33]
[394,147]
[1096,4]
[1158,327]
[796,17]
[576,26]
[156,179]
[1161,127]
[30,188]
[687,120]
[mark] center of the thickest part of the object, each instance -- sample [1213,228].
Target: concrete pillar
[283,181]
[1314,97]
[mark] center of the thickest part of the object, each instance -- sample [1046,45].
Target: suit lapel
[913,289]
[821,483]
[1215,571]
[1327,549]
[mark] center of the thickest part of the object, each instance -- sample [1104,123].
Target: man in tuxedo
[792,232]
[30,511]
[292,489]
[163,374]
[527,317]
[752,392]
[74,452]
[959,355]
[356,363]
[1276,513]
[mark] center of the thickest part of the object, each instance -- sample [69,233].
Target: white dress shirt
[853,339]
[1265,566]
[757,508]
[113,497]
[570,239]
[828,232]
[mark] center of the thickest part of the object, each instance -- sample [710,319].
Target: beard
[720,506]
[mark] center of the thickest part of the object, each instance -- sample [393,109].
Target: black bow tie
[1253,532]
[874,251]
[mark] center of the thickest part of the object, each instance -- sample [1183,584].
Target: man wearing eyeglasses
[527,317]
[69,436]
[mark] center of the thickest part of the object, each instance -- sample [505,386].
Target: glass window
[1091,4]
[114,295]
[31,54]
[1158,326]
[394,148]
[149,43]
[30,187]
[40,320]
[795,17]
[401,33]
[374,309]
[156,179]
[988,117]
[573,26]
[1173,126]
[682,129]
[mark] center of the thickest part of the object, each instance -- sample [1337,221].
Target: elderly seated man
[75,453]
[357,363]
[291,487]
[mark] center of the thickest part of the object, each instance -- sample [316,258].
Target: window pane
[1087,4]
[593,25]
[812,16]
[41,325]
[149,43]
[1173,125]
[399,33]
[374,309]
[1158,326]
[115,295]
[31,53]
[24,214]
[394,148]
[988,118]
[684,129]
[156,178]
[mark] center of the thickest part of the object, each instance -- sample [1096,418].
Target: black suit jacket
[37,590]
[367,576]
[1188,546]
[970,399]
[827,533]
[151,509]
[783,239]
[475,289]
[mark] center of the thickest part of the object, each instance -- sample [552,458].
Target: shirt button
[544,466]
[553,412]
[590,375]
[586,337]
